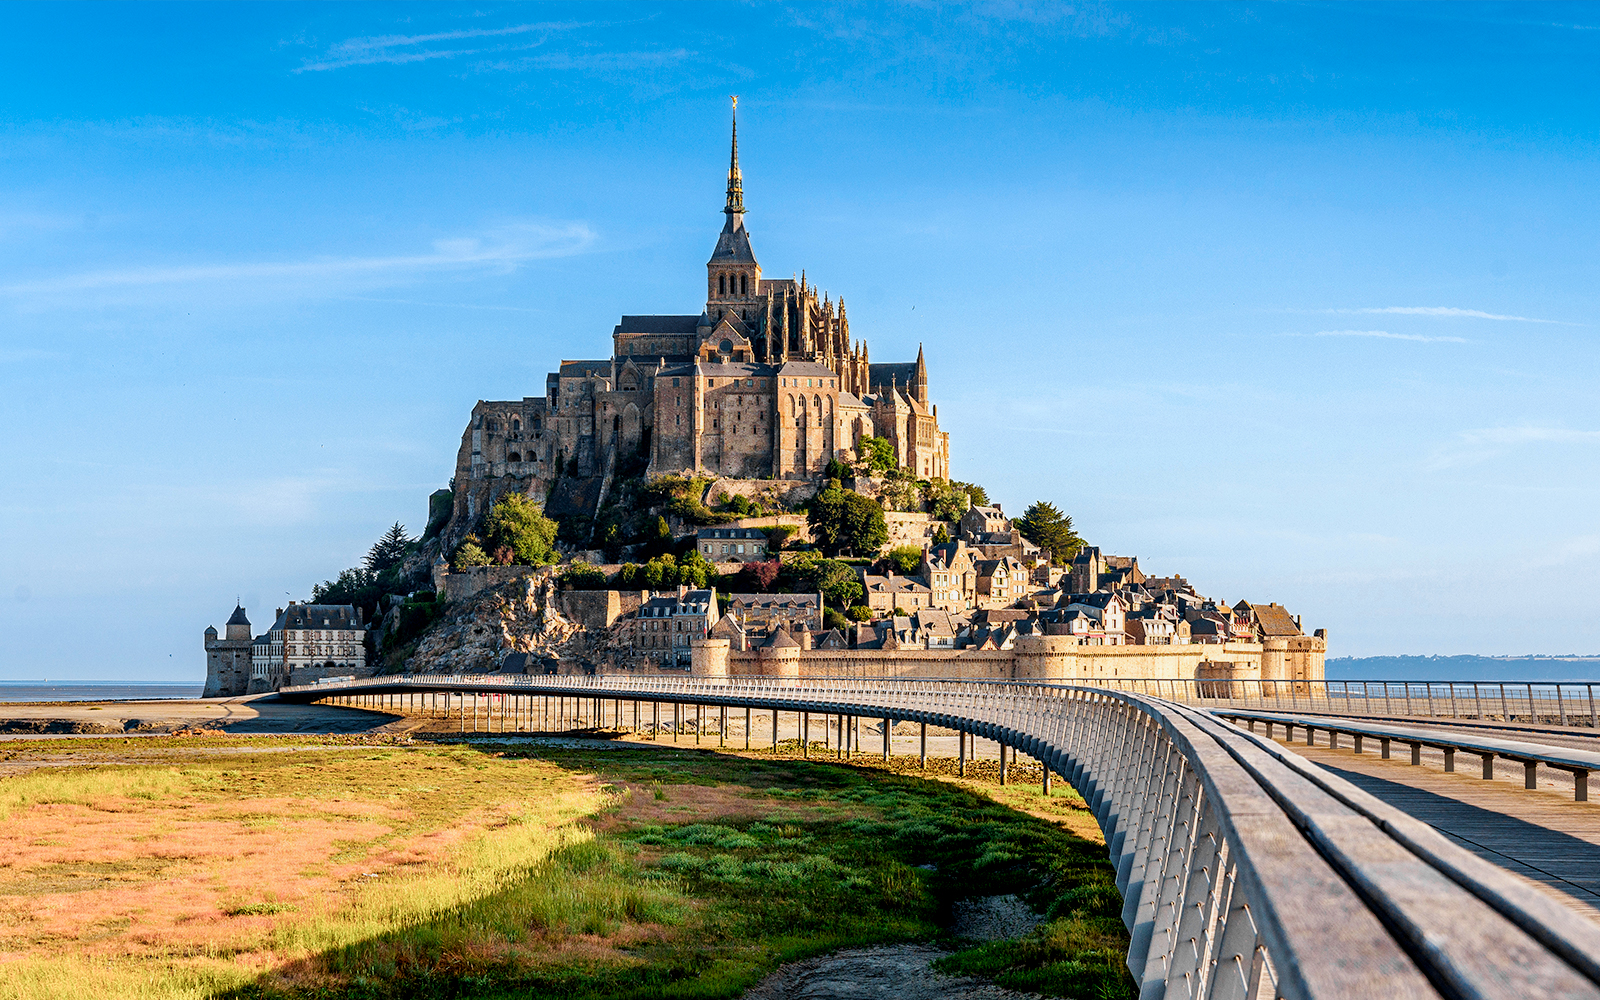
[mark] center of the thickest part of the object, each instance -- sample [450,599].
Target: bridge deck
[1541,835]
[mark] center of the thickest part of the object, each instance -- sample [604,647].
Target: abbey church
[765,382]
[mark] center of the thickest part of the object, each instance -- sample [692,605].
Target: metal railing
[1246,873]
[1564,703]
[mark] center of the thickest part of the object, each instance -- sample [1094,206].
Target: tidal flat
[391,866]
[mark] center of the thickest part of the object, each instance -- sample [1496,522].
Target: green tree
[944,501]
[941,535]
[1044,525]
[860,613]
[877,452]
[387,552]
[844,519]
[356,586]
[834,619]
[582,576]
[975,493]
[836,470]
[469,553]
[517,522]
[661,572]
[837,583]
[905,559]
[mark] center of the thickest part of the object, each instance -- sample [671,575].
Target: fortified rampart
[1034,658]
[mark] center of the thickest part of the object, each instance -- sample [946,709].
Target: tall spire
[735,206]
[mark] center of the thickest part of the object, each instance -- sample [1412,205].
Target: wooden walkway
[1541,835]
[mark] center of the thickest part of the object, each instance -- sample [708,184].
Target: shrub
[833,619]
[517,522]
[582,576]
[469,553]
[905,559]
[860,613]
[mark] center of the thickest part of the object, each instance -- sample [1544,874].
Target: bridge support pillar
[887,726]
[1416,755]
[961,753]
[1449,760]
[1357,740]
[922,762]
[1383,747]
[1580,786]
[1046,789]
[1002,763]
[774,730]
[1333,739]
[1311,737]
[1530,774]
[1488,767]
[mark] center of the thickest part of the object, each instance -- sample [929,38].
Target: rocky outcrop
[523,616]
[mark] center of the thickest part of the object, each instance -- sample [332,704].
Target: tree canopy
[389,550]
[877,452]
[1044,525]
[905,559]
[844,519]
[517,523]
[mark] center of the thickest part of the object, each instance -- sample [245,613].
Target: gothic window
[743,288]
[516,424]
[722,284]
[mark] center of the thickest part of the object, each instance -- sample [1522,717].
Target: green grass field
[291,868]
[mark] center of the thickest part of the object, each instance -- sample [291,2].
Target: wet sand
[261,714]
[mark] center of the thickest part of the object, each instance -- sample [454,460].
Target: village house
[951,575]
[888,592]
[1001,581]
[667,624]
[307,642]
[723,545]
[759,614]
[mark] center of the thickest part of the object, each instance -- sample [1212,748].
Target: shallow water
[11,691]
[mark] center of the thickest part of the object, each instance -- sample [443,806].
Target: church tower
[733,278]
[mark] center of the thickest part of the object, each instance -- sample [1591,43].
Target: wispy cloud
[1386,335]
[399,49]
[1444,311]
[1473,446]
[497,251]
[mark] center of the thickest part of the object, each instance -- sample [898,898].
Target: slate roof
[806,369]
[658,324]
[733,244]
[774,602]
[894,584]
[731,533]
[733,369]
[319,616]
[582,369]
[880,377]
[238,616]
[780,639]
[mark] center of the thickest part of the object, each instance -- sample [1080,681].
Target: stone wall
[1034,658]
[599,609]
[460,586]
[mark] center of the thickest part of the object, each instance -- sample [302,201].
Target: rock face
[523,616]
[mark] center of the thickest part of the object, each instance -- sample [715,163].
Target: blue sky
[1296,300]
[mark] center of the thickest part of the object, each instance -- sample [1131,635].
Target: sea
[94,691]
[1572,667]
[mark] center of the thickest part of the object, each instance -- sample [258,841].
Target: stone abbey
[765,382]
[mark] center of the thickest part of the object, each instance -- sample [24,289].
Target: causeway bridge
[1248,870]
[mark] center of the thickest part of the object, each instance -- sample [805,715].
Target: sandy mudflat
[253,714]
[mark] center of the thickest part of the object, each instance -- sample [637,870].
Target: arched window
[743,288]
[794,408]
[516,424]
[514,457]
[722,284]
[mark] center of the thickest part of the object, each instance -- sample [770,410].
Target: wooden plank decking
[1541,835]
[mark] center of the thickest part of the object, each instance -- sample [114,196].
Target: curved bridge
[1246,871]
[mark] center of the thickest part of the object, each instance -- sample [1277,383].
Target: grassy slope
[637,873]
